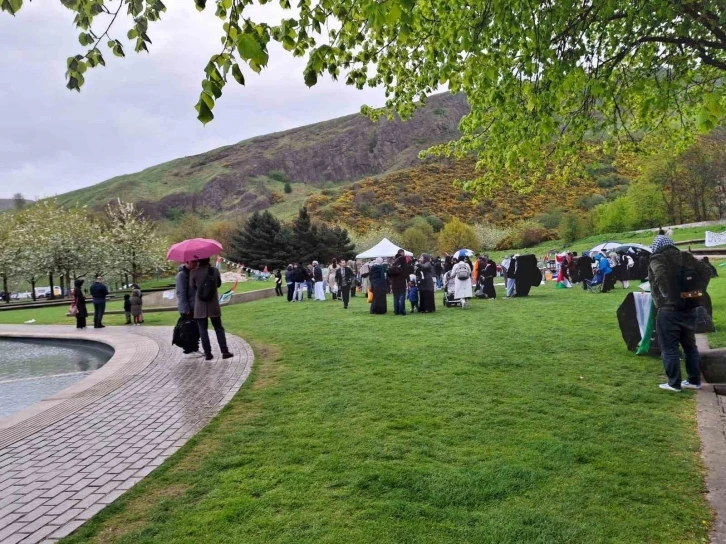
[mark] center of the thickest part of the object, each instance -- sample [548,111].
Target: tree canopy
[540,77]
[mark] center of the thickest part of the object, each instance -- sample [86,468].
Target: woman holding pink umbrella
[206,280]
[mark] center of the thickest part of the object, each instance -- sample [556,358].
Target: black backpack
[209,285]
[689,287]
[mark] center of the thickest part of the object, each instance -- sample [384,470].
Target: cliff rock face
[232,178]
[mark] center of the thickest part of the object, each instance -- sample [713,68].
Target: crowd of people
[411,282]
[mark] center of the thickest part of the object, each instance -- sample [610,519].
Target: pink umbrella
[194,249]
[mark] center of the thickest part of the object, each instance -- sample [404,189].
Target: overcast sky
[137,111]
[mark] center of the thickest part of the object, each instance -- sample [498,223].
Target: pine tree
[259,242]
[303,237]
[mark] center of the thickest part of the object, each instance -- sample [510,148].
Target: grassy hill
[250,175]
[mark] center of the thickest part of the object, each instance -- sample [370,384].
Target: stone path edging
[66,459]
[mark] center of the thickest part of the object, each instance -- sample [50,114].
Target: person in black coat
[584,268]
[379,286]
[425,269]
[99,292]
[489,273]
[399,281]
[79,301]
[278,283]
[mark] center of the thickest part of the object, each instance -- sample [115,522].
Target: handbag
[73,310]
[370,295]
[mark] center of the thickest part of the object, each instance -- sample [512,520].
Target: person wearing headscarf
[677,283]
[399,281]
[365,282]
[707,262]
[379,286]
[332,285]
[318,281]
[79,302]
[511,274]
[425,276]
[489,273]
[462,281]
[290,282]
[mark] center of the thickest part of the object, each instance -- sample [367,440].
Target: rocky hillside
[250,175]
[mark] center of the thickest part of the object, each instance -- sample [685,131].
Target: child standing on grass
[127,308]
[412,295]
[136,306]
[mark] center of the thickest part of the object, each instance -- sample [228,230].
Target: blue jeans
[99,308]
[510,287]
[399,303]
[673,329]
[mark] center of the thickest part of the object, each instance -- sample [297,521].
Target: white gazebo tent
[384,248]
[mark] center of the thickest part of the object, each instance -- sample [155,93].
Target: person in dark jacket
[278,282]
[438,273]
[127,308]
[344,278]
[490,272]
[186,296]
[675,322]
[99,292]
[79,301]
[398,278]
[584,268]
[208,310]
[427,304]
[300,277]
[290,282]
[379,286]
[511,274]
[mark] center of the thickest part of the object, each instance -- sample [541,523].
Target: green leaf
[205,114]
[311,78]
[132,34]
[201,4]
[248,47]
[237,75]
[12,6]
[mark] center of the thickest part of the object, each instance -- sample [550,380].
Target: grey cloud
[137,111]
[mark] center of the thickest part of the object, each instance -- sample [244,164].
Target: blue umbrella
[464,253]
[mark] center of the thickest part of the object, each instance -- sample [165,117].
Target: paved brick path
[62,462]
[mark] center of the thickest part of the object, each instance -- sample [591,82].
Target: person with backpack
[206,280]
[677,283]
[462,282]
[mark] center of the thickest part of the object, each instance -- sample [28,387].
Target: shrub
[275,197]
[551,218]
[590,202]
[288,188]
[278,175]
[572,227]
[457,235]
[416,241]
[412,200]
[387,208]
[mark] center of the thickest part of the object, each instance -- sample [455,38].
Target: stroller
[449,290]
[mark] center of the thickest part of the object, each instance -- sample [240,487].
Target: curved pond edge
[128,359]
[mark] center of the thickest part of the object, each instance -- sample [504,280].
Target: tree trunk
[50,281]
[6,295]
[32,289]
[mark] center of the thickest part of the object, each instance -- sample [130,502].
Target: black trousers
[203,324]
[345,291]
[278,289]
[676,329]
[99,308]
[290,291]
[80,321]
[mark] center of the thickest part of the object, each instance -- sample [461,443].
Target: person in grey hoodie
[185,297]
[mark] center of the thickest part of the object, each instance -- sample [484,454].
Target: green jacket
[662,271]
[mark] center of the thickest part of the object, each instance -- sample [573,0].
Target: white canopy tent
[384,248]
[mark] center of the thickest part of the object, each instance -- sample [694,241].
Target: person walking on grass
[278,283]
[318,286]
[290,282]
[79,302]
[398,278]
[344,279]
[332,274]
[300,278]
[206,280]
[99,292]
[136,304]
[677,283]
[462,281]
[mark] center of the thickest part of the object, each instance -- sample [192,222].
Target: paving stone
[63,467]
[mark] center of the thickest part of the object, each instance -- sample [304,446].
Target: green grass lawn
[517,421]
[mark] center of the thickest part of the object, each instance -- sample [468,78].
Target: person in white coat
[462,284]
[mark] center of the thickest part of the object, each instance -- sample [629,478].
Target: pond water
[31,370]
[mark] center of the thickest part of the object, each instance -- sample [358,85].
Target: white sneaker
[669,388]
[685,384]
